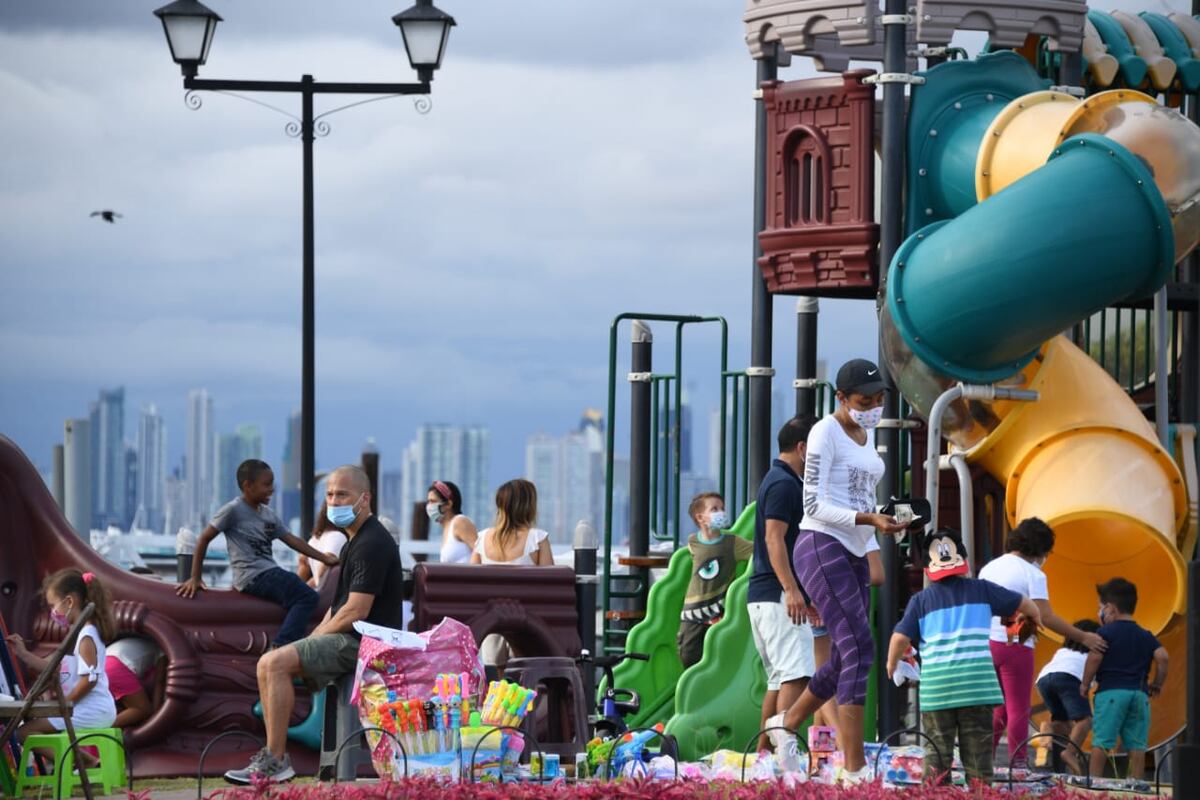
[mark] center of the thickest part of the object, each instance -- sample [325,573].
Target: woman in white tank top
[444,506]
[511,541]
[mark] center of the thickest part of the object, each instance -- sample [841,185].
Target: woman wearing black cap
[838,531]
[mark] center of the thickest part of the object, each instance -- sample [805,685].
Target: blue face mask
[341,516]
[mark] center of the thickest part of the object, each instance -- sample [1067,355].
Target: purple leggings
[839,584]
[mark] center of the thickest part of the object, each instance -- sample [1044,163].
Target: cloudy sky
[581,159]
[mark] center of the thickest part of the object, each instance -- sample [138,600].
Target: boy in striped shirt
[950,621]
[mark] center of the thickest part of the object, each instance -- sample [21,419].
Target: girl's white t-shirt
[1065,660]
[532,539]
[96,709]
[840,476]
[1018,575]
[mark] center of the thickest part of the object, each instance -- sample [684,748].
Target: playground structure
[1030,211]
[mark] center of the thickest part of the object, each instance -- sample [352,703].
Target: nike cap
[860,377]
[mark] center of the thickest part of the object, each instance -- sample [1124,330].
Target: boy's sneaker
[263,766]
[787,753]
[848,778]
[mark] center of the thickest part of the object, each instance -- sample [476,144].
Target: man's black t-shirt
[371,565]
[780,497]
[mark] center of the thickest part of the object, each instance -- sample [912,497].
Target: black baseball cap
[860,377]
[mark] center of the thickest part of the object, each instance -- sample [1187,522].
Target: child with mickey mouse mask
[949,622]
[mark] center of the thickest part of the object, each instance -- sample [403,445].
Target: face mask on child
[59,618]
[341,516]
[718,520]
[434,512]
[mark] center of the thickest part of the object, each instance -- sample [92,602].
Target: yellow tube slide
[1085,460]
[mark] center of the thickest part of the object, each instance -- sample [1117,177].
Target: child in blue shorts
[1070,711]
[1122,693]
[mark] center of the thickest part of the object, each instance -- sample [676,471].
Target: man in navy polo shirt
[779,611]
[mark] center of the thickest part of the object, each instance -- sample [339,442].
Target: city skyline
[502,323]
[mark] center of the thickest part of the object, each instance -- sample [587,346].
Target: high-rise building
[77,475]
[445,452]
[475,464]
[288,480]
[130,474]
[108,458]
[569,474]
[151,470]
[58,477]
[176,506]
[232,449]
[544,467]
[199,458]
[391,497]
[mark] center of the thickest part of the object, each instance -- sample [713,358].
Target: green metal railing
[666,403]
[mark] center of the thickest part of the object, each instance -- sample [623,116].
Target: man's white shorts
[786,648]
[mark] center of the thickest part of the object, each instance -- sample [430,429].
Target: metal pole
[760,372]
[307,391]
[1185,769]
[585,594]
[966,494]
[640,410]
[806,356]
[1162,346]
[887,440]
[370,465]
[934,444]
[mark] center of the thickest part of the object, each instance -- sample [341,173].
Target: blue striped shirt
[949,623]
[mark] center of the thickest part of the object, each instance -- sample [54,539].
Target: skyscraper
[175,503]
[569,474]
[77,475]
[199,458]
[152,470]
[232,449]
[391,497]
[475,464]
[544,467]
[289,478]
[108,458]
[130,485]
[448,453]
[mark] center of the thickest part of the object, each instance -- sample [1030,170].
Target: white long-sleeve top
[840,476]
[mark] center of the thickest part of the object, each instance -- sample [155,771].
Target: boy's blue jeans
[285,589]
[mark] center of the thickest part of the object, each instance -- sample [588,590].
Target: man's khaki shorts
[326,658]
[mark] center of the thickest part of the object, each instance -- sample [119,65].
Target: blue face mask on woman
[341,516]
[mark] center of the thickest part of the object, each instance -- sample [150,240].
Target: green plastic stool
[108,774]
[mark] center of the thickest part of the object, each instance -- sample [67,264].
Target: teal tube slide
[975,297]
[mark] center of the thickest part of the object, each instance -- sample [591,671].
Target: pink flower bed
[418,789]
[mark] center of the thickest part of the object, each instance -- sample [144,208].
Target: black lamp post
[189,26]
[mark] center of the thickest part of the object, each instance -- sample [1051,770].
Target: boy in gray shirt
[249,526]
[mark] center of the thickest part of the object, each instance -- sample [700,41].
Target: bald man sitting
[370,587]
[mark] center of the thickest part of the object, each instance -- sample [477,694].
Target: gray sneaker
[263,766]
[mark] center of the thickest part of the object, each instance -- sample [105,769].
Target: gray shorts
[326,658]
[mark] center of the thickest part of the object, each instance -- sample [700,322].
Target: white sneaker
[848,778]
[787,752]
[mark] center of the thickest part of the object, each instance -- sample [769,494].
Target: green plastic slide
[729,657]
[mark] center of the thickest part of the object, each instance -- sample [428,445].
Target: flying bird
[107,215]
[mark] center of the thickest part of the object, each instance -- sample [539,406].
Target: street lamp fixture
[425,29]
[189,26]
